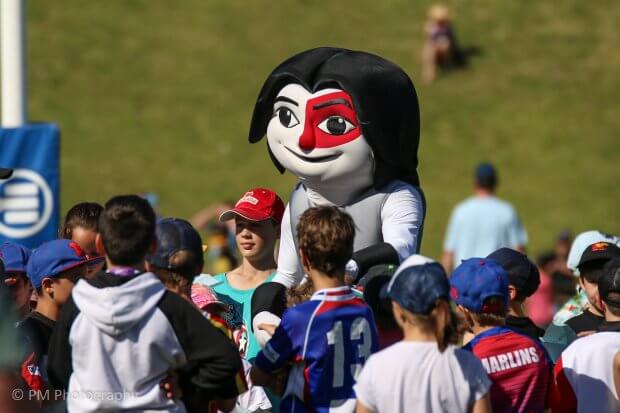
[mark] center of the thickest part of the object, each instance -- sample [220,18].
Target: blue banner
[29,200]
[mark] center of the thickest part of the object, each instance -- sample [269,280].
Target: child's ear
[99,245]
[47,286]
[512,292]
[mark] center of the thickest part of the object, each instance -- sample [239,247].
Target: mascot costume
[347,124]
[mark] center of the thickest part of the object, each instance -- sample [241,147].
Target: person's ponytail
[443,322]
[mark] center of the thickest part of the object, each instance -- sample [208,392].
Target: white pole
[13,49]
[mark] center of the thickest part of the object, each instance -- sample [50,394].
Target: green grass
[155,95]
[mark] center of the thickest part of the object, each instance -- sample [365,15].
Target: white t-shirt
[416,377]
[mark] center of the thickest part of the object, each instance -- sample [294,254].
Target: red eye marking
[339,107]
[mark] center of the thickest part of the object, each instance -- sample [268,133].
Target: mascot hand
[352,269]
[264,325]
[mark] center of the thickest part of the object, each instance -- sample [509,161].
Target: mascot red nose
[347,124]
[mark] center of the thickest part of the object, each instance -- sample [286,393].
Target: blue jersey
[326,340]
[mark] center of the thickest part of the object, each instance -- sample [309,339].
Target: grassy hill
[155,95]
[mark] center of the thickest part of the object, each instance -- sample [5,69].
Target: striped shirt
[519,367]
[326,340]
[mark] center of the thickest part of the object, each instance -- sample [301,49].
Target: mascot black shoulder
[347,124]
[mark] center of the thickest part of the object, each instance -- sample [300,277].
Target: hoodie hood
[114,310]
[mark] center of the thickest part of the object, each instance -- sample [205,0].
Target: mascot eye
[336,125]
[287,117]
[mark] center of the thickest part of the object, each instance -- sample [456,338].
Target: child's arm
[482,405]
[363,409]
[268,369]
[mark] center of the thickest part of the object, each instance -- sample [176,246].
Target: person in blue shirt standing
[482,223]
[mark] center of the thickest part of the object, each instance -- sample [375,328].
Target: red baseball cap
[257,204]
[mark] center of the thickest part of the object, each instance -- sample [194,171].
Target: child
[15,258]
[178,257]
[257,216]
[590,268]
[255,399]
[81,225]
[120,332]
[523,279]
[53,269]
[517,364]
[328,339]
[586,374]
[424,372]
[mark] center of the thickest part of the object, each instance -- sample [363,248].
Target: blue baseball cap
[477,279]
[53,258]
[15,257]
[174,235]
[417,284]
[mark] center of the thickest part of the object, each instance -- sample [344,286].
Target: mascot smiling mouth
[314,159]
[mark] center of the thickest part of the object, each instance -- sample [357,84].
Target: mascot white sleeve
[346,123]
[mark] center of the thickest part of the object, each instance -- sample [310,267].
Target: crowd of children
[116,315]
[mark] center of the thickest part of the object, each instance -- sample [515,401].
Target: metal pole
[13,50]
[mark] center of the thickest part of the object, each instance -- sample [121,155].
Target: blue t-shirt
[326,340]
[480,225]
[240,314]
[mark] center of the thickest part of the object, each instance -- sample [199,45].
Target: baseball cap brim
[244,213]
[5,173]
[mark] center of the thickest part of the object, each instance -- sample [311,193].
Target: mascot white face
[317,137]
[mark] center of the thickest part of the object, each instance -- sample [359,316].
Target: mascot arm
[289,272]
[402,217]
[374,255]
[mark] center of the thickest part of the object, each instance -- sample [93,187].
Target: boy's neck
[111,266]
[594,311]
[322,281]
[516,309]
[477,328]
[47,307]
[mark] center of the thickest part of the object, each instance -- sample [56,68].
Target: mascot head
[338,116]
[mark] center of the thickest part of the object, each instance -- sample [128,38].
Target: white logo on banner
[26,204]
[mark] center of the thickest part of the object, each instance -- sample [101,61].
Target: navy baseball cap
[15,257]
[53,258]
[486,175]
[522,273]
[174,235]
[417,284]
[477,279]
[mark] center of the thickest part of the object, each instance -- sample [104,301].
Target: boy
[257,216]
[586,373]
[328,339]
[53,269]
[517,364]
[590,268]
[120,332]
[15,258]
[523,280]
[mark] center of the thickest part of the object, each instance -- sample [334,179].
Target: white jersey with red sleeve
[584,375]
